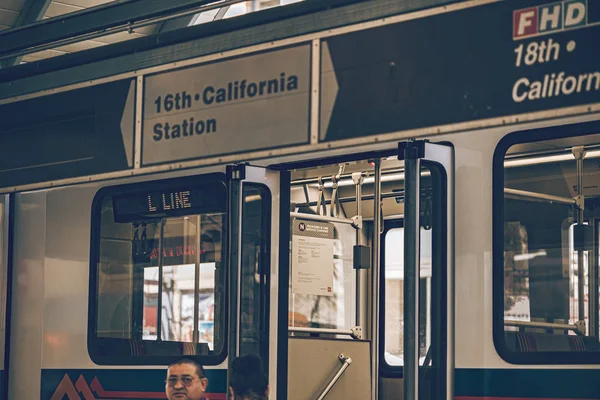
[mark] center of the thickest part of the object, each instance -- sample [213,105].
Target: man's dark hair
[191,361]
[248,378]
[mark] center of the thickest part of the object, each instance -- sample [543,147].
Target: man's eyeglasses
[185,380]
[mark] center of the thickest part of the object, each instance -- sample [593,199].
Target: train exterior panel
[517,84]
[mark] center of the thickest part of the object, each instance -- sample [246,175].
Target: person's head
[248,380]
[186,380]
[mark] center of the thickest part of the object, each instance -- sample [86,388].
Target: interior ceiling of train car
[306,187]
[550,167]
[18,13]
[547,167]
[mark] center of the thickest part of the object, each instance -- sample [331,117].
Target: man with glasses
[186,380]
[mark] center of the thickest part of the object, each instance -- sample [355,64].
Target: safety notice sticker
[312,257]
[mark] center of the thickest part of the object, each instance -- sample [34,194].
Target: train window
[157,277]
[255,283]
[546,275]
[394,294]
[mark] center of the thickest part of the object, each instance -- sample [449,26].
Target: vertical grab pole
[235,175]
[375,283]
[579,154]
[160,279]
[412,167]
[358,179]
[593,286]
[196,332]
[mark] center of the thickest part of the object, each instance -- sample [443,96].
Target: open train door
[429,205]
[258,268]
[263,235]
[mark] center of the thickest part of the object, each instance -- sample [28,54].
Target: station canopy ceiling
[17,13]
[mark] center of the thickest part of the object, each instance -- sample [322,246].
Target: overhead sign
[260,101]
[494,60]
[312,257]
[70,134]
[184,199]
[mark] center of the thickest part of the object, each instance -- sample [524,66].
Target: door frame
[438,157]
[278,184]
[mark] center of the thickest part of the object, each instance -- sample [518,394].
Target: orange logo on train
[94,391]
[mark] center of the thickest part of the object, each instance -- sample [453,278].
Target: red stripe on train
[512,398]
[97,387]
[66,388]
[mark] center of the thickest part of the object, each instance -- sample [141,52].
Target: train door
[258,215]
[416,339]
[433,377]
[360,323]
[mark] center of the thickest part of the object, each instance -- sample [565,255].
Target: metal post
[579,154]
[358,179]
[412,167]
[593,287]
[549,325]
[375,281]
[351,199]
[428,323]
[305,187]
[235,243]
[355,332]
[539,196]
[235,175]
[324,218]
[196,333]
[160,280]
[346,361]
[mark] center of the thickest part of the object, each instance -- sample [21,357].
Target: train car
[383,201]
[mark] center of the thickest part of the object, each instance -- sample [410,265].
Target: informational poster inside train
[69,134]
[254,102]
[312,257]
[461,64]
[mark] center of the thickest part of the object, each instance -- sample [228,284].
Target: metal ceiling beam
[130,27]
[90,20]
[173,24]
[197,41]
[32,11]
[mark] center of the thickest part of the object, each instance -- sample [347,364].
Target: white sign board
[254,102]
[312,257]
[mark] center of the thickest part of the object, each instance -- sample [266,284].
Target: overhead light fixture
[547,159]
[367,180]
[399,176]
